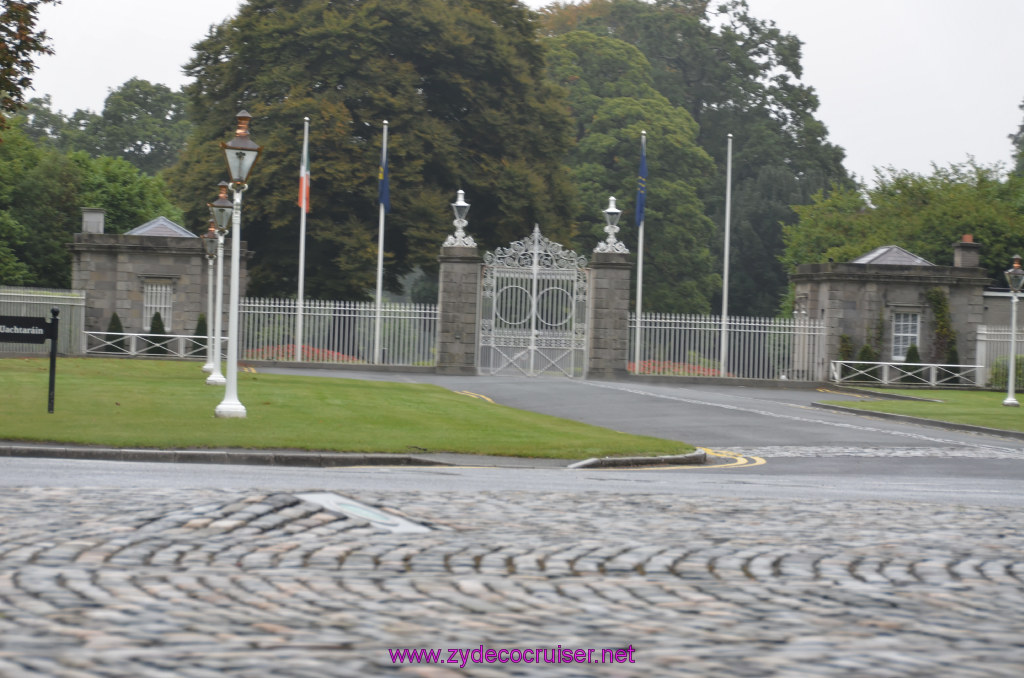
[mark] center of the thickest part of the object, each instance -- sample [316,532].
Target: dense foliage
[924,214]
[20,43]
[42,193]
[141,122]
[732,73]
[612,100]
[463,86]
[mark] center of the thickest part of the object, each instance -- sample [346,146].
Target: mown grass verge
[166,404]
[976,408]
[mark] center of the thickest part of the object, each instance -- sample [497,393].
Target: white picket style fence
[134,344]
[861,373]
[36,302]
[758,348]
[993,351]
[338,332]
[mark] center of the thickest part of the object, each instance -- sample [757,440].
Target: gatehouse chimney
[93,219]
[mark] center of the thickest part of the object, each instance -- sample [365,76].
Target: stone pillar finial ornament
[611,243]
[461,208]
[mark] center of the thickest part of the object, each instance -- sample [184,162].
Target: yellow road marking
[737,460]
[475,395]
[855,395]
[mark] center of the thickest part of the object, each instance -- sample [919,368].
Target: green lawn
[166,404]
[978,408]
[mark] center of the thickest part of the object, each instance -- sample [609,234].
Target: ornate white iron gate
[533,318]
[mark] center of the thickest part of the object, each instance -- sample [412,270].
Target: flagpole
[303,209]
[640,257]
[380,251]
[724,350]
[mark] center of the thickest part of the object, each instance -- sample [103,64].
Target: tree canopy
[734,74]
[463,86]
[141,122]
[42,192]
[612,100]
[20,44]
[924,214]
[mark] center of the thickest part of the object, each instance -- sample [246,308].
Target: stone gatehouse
[157,267]
[882,297]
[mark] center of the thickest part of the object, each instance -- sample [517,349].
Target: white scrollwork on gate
[534,312]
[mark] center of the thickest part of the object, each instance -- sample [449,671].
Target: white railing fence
[993,351]
[338,332]
[920,374]
[36,302]
[132,344]
[758,348]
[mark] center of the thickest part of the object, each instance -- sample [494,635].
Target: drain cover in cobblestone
[335,503]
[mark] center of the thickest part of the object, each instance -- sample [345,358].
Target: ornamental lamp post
[1015,279]
[611,220]
[221,209]
[461,209]
[241,154]
[210,249]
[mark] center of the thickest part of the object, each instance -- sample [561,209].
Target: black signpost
[18,330]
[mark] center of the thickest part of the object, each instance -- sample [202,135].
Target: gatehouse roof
[891,255]
[162,226]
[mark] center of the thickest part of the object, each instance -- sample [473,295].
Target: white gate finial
[461,208]
[612,244]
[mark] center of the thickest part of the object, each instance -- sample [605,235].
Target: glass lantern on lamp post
[461,209]
[611,220]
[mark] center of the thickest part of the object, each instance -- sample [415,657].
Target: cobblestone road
[202,584]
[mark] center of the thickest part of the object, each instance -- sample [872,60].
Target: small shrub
[997,377]
[115,343]
[913,356]
[156,327]
[953,358]
[867,354]
[198,345]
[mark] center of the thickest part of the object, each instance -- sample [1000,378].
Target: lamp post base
[1011,402]
[208,368]
[230,410]
[216,380]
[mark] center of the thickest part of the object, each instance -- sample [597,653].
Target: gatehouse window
[156,298]
[905,328]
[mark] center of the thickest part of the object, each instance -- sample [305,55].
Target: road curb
[297,458]
[632,462]
[947,425]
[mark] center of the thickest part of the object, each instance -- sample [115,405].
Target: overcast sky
[902,83]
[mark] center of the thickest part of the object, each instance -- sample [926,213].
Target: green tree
[141,122]
[42,192]
[924,214]
[144,123]
[462,84]
[612,100]
[20,43]
[734,74]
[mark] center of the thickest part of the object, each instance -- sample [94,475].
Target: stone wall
[112,270]
[859,300]
[607,355]
[459,310]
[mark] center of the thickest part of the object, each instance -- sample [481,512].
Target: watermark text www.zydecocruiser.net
[560,655]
